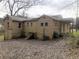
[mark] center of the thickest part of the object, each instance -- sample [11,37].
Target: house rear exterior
[43,26]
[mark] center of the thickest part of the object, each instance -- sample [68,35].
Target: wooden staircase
[28,36]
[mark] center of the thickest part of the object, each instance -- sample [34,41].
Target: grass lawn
[74,40]
[75,34]
[1,37]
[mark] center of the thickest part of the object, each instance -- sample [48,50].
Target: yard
[1,36]
[34,49]
[75,34]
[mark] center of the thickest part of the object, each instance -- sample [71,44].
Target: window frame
[27,23]
[46,23]
[19,26]
[42,24]
[31,23]
[8,24]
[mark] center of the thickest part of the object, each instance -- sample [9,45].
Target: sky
[49,7]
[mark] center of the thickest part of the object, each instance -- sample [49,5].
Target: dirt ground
[34,49]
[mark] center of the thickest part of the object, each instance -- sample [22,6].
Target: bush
[74,34]
[33,36]
[74,42]
[55,35]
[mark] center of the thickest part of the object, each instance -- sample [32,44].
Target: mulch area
[34,49]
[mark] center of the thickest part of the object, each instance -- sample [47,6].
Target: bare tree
[0,0]
[14,6]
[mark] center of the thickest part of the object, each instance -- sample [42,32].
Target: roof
[17,18]
[68,20]
[59,18]
[21,18]
[55,17]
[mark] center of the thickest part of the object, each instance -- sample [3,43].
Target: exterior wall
[56,26]
[11,29]
[62,27]
[35,27]
[41,30]
[16,30]
[8,29]
[45,30]
[65,27]
[30,27]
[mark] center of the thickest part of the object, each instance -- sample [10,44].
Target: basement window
[27,24]
[56,24]
[8,24]
[31,24]
[19,25]
[42,24]
[46,24]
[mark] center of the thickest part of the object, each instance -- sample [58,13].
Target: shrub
[74,34]
[74,42]
[33,36]
[55,35]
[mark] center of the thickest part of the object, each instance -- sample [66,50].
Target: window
[42,24]
[8,24]
[31,24]
[56,23]
[46,24]
[67,26]
[19,25]
[27,24]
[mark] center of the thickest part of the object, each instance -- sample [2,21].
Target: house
[1,25]
[42,26]
[77,23]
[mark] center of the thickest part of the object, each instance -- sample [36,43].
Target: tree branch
[19,9]
[19,4]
